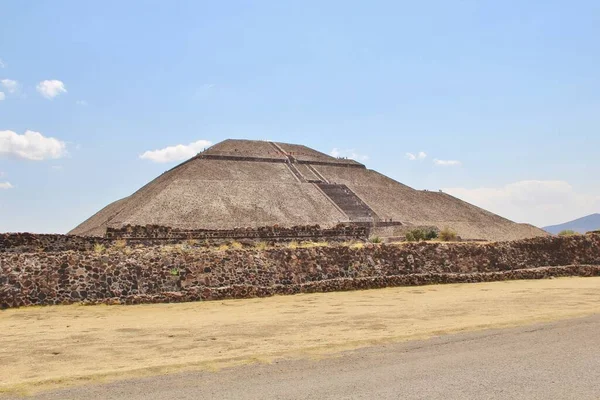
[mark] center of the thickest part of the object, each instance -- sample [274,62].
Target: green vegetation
[417,235]
[120,244]
[191,242]
[567,232]
[447,235]
[174,272]
[261,245]
[99,248]
[308,245]
[223,247]
[236,245]
[375,239]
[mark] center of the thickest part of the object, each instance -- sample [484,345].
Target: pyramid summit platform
[247,183]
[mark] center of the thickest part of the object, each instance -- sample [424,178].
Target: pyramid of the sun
[244,183]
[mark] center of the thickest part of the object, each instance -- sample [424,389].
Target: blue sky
[509,91]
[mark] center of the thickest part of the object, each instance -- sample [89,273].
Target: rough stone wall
[153,235]
[33,243]
[312,232]
[158,274]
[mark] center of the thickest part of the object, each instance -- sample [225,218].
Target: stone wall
[165,274]
[35,243]
[159,235]
[311,232]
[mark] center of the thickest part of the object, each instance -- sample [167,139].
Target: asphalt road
[552,361]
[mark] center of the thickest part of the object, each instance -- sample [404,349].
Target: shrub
[237,245]
[375,239]
[568,232]
[293,244]
[180,248]
[308,245]
[416,235]
[191,242]
[447,235]
[120,244]
[174,272]
[223,247]
[430,234]
[261,245]
[99,248]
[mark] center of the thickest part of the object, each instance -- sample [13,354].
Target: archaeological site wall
[176,274]
[311,232]
[152,235]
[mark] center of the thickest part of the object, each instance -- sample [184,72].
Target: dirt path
[44,348]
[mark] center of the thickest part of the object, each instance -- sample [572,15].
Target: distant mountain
[581,225]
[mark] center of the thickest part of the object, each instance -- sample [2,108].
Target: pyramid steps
[347,201]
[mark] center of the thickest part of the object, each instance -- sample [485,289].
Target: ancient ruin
[238,184]
[119,275]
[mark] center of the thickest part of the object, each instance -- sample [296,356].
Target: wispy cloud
[419,156]
[2,64]
[348,153]
[2,96]
[538,202]
[178,152]
[6,185]
[31,146]
[447,163]
[51,88]
[11,86]
[82,103]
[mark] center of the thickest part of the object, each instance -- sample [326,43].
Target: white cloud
[348,153]
[179,152]
[9,85]
[31,146]
[541,203]
[447,163]
[81,103]
[419,156]
[2,96]
[2,65]
[6,185]
[51,88]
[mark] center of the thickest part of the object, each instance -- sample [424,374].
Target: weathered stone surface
[304,232]
[151,275]
[153,235]
[239,183]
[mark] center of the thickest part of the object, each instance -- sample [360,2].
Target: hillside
[581,225]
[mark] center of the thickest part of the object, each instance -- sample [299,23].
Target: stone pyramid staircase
[347,201]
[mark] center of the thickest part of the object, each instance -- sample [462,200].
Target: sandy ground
[45,348]
[553,360]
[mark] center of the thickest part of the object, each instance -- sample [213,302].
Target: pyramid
[246,183]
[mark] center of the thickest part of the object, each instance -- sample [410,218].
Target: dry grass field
[47,347]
